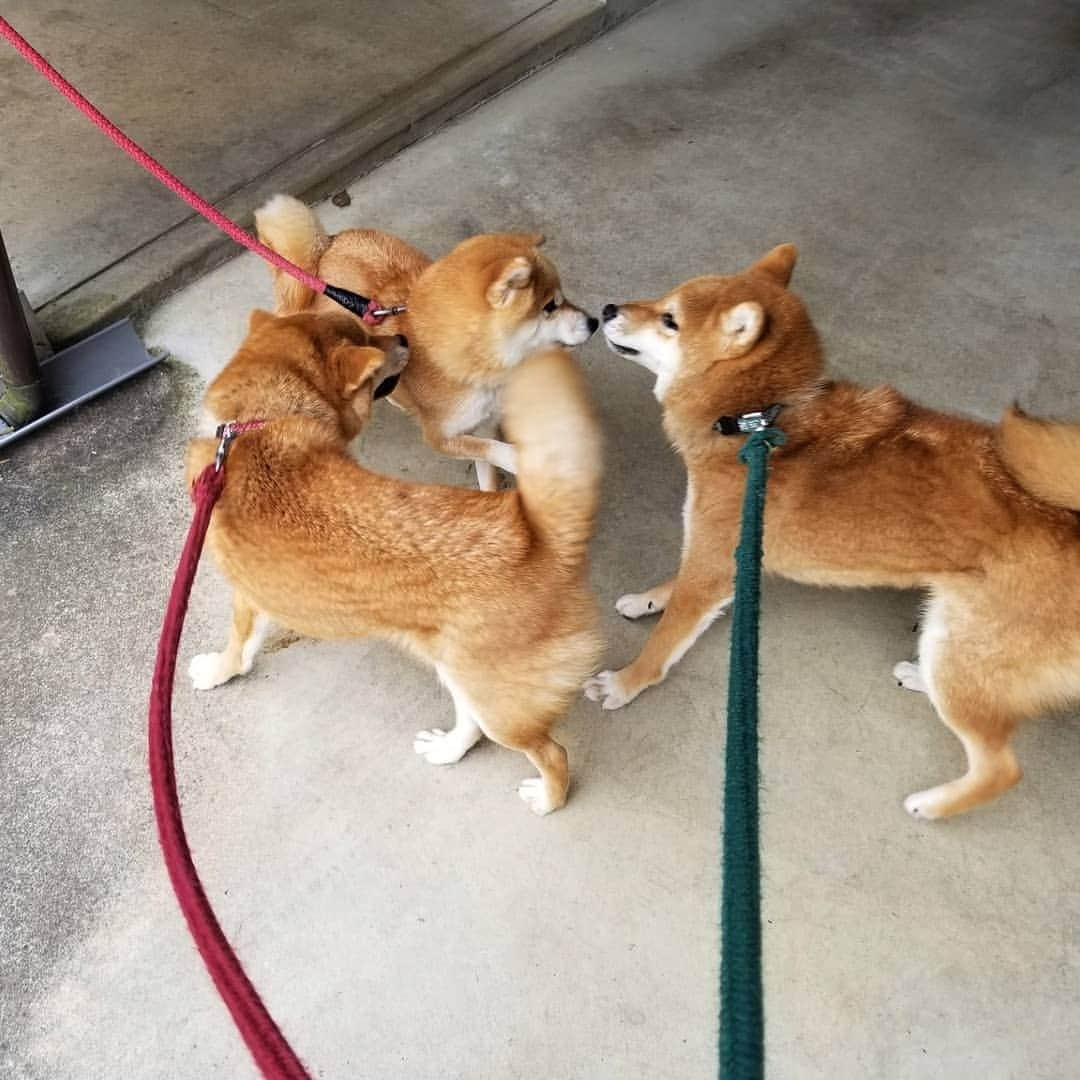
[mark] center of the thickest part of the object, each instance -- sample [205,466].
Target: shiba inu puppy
[472,316]
[870,489]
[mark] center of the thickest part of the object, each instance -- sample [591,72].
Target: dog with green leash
[869,490]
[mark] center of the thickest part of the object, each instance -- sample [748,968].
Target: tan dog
[472,316]
[869,490]
[489,588]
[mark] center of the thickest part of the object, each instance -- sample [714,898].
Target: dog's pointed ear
[779,264]
[514,274]
[357,365]
[537,239]
[259,318]
[741,328]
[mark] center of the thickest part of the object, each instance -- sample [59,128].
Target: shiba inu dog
[870,489]
[472,316]
[488,588]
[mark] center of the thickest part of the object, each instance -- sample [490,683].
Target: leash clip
[374,313]
[225,433]
[748,423]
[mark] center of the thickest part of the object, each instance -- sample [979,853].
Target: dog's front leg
[650,602]
[699,595]
[487,477]
[490,452]
[246,635]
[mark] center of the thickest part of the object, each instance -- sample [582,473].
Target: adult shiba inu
[488,588]
[472,316]
[870,489]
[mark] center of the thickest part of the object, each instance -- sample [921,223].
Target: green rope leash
[742,1039]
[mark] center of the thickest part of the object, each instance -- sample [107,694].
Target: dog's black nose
[403,341]
[609,312]
[592,324]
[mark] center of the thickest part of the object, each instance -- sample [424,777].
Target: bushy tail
[548,417]
[1043,456]
[292,230]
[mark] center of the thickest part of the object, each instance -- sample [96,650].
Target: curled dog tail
[1044,457]
[290,228]
[549,418]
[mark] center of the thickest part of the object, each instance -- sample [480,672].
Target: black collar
[387,386]
[748,422]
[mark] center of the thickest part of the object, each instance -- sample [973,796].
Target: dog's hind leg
[972,701]
[546,792]
[439,747]
[542,793]
[246,636]
[991,764]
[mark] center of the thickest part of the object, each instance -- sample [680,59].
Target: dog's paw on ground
[438,747]
[926,805]
[909,676]
[208,670]
[606,687]
[533,793]
[635,605]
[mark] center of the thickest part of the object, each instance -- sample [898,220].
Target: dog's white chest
[478,408]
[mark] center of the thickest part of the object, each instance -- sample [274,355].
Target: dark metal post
[20,383]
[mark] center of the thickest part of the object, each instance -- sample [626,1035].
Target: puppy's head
[719,328]
[501,293]
[362,371]
[325,366]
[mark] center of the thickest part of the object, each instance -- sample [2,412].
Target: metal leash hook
[365,308]
[225,433]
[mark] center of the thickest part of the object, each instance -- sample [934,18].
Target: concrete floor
[220,90]
[406,921]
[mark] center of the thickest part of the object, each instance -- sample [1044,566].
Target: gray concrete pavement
[406,921]
[240,100]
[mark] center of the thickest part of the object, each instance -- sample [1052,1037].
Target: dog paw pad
[533,793]
[208,670]
[438,747]
[635,605]
[606,687]
[909,676]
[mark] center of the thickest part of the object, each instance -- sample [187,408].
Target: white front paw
[534,794]
[635,605]
[607,688]
[503,456]
[438,747]
[208,670]
[909,676]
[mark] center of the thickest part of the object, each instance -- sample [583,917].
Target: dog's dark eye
[550,307]
[669,321]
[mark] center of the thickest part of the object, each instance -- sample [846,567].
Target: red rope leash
[367,309]
[268,1046]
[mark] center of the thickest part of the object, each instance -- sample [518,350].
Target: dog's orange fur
[312,367]
[472,316]
[870,489]
[490,588]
